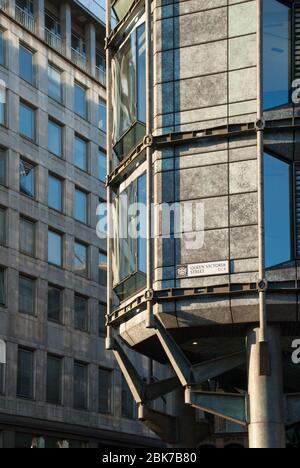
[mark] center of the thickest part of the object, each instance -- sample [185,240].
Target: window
[127,401]
[54,83]
[27,179]
[81,206]
[80,101]
[2,167]
[55,138]
[55,193]
[2,287]
[102,269]
[54,304]
[78,44]
[26,295]
[80,259]
[278,216]
[2,102]
[27,237]
[277,53]
[80,385]
[54,248]
[25,5]
[2,365]
[27,121]
[53,392]
[102,319]
[81,313]
[101,68]
[25,378]
[26,69]
[52,24]
[102,169]
[2,226]
[130,248]
[105,391]
[102,115]
[2,48]
[129,93]
[121,8]
[80,156]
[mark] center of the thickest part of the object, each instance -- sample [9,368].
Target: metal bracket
[262,285]
[148,141]
[230,406]
[260,125]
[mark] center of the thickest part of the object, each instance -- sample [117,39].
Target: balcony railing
[101,75]
[79,59]
[3,5]
[53,40]
[25,19]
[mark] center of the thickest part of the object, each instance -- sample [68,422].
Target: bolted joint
[262,285]
[149,295]
[260,125]
[142,412]
[148,141]
[109,344]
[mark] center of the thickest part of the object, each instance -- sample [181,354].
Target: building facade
[203,117]
[58,386]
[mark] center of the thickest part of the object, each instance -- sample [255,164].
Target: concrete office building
[58,386]
[205,113]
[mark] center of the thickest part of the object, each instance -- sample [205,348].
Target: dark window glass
[25,379]
[105,390]
[127,401]
[102,319]
[2,167]
[141,73]
[55,193]
[102,115]
[2,287]
[2,102]
[54,83]
[54,248]
[2,226]
[80,156]
[52,24]
[80,385]
[26,5]
[278,218]
[81,206]
[54,304]
[27,179]
[27,236]
[277,53]
[81,313]
[2,48]
[55,138]
[53,380]
[2,377]
[80,101]
[102,269]
[80,258]
[26,295]
[27,121]
[102,169]
[26,64]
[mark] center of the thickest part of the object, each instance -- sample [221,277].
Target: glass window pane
[81,313]
[26,295]
[2,102]
[142,240]
[81,202]
[53,380]
[2,48]
[102,269]
[80,259]
[278,220]
[27,179]
[55,138]
[102,319]
[27,237]
[54,248]
[27,121]
[2,167]
[80,101]
[2,287]
[54,304]
[2,226]
[102,169]
[26,64]
[54,83]
[80,156]
[55,193]
[80,386]
[25,373]
[141,73]
[2,377]
[105,390]
[102,115]
[277,53]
